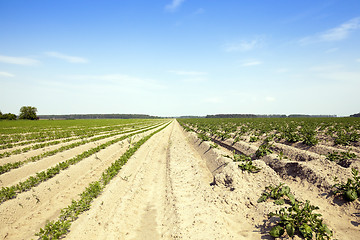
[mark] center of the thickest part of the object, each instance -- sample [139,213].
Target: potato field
[291,178]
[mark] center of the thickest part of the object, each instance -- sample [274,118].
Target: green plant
[238,157]
[282,156]
[214,145]
[248,166]
[203,137]
[340,156]
[277,193]
[254,138]
[300,218]
[263,150]
[351,189]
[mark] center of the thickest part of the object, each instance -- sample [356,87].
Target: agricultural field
[300,176]
[180,179]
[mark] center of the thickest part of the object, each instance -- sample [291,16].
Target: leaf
[306,231]
[290,229]
[291,198]
[279,202]
[351,195]
[277,231]
[263,198]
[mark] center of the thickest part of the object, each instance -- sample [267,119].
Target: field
[180,179]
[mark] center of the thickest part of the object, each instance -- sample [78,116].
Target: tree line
[26,112]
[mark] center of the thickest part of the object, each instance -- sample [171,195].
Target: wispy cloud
[19,60]
[270,99]
[188,73]
[6,74]
[199,11]
[331,50]
[243,46]
[251,63]
[282,70]
[70,59]
[338,33]
[175,4]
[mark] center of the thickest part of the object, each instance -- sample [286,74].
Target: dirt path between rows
[163,192]
[22,217]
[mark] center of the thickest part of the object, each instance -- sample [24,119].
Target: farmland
[185,178]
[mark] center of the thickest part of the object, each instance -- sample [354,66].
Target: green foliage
[254,138]
[300,217]
[351,189]
[263,150]
[28,112]
[7,116]
[277,193]
[57,229]
[248,166]
[238,157]
[246,162]
[340,156]
[203,137]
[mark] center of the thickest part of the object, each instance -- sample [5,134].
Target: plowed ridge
[163,192]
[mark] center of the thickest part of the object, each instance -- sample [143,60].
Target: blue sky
[180,57]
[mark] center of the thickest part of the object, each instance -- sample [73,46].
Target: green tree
[28,112]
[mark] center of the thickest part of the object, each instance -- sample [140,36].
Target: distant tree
[355,115]
[9,116]
[28,112]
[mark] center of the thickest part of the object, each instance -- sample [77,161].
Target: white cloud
[282,70]
[188,73]
[199,11]
[335,34]
[251,63]
[270,99]
[71,59]
[6,74]
[243,45]
[19,60]
[331,50]
[175,4]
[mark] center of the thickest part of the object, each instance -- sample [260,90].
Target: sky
[180,57]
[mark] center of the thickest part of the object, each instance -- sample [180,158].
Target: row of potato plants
[41,145]
[350,190]
[22,135]
[59,228]
[298,219]
[7,193]
[9,166]
[341,131]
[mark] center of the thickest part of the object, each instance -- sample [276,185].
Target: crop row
[57,229]
[349,190]
[7,193]
[309,131]
[26,135]
[9,166]
[41,145]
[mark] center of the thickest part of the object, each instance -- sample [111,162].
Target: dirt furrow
[22,217]
[20,174]
[163,192]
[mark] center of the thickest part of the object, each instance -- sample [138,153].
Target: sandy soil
[22,217]
[163,192]
[177,187]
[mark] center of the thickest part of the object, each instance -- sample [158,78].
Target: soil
[177,187]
